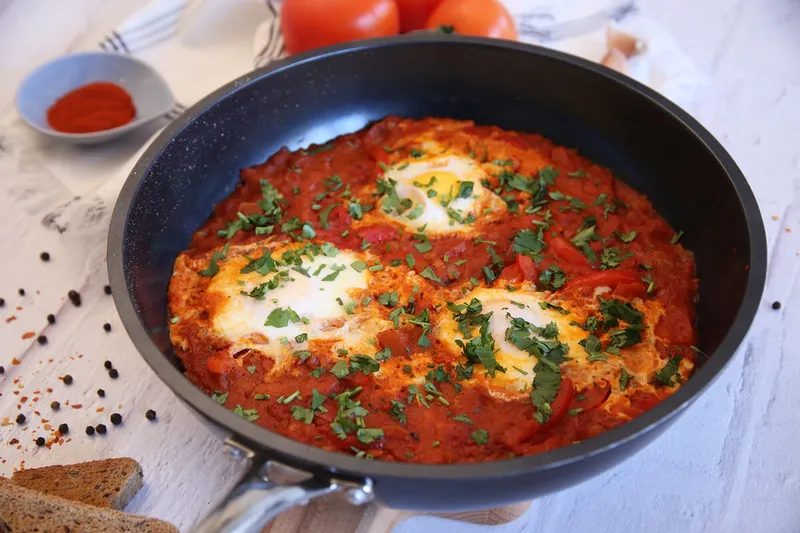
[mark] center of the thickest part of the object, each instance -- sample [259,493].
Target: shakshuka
[434,291]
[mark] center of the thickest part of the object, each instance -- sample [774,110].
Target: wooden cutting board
[333,515]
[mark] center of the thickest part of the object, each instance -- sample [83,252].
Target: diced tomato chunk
[564,249]
[402,342]
[510,273]
[605,278]
[220,365]
[249,208]
[630,290]
[526,267]
[560,404]
[377,234]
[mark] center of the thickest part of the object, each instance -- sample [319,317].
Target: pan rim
[323,462]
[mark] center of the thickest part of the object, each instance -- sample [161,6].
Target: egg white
[317,309]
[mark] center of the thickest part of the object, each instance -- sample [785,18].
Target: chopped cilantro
[428,273]
[364,363]
[552,278]
[302,354]
[250,415]
[280,317]
[480,436]
[624,379]
[340,369]
[612,258]
[594,348]
[397,412]
[323,216]
[669,373]
[463,418]
[369,435]
[389,298]
[220,397]
[213,268]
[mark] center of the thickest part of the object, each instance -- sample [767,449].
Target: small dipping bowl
[40,90]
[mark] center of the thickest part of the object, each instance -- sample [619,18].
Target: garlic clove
[628,44]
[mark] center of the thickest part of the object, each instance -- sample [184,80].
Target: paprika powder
[94,107]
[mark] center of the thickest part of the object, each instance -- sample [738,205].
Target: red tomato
[414,13]
[309,24]
[484,18]
[377,234]
[220,365]
[527,267]
[510,273]
[564,249]
[560,404]
[605,278]
[630,290]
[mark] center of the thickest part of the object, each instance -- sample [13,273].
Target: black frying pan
[648,142]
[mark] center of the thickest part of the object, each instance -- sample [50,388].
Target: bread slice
[107,483]
[27,511]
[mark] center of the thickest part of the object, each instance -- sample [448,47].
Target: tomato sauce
[655,267]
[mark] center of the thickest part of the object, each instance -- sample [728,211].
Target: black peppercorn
[101,429]
[2,302]
[107,289]
[41,339]
[101,393]
[55,406]
[40,441]
[51,318]
[75,298]
[67,379]
[22,292]
[107,327]
[150,414]
[776,305]
[89,430]
[108,365]
[20,418]
[113,373]
[2,370]
[44,256]
[63,429]
[116,419]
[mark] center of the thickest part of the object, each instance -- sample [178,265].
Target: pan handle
[256,499]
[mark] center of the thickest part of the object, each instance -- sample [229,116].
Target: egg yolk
[446,185]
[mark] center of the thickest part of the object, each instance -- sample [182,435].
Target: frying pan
[647,141]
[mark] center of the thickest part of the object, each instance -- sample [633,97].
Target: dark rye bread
[27,511]
[106,483]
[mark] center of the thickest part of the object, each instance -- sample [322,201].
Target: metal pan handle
[257,498]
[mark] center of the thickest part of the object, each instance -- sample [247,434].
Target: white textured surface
[730,464]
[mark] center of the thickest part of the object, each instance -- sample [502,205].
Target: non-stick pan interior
[328,96]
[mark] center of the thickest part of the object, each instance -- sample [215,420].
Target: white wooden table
[731,464]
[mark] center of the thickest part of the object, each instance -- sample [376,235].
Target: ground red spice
[94,107]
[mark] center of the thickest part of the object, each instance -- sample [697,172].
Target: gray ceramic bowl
[49,82]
